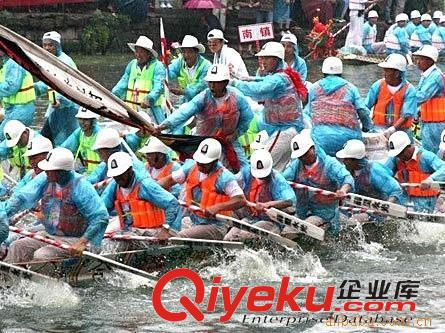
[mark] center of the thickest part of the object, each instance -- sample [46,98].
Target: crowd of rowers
[264,133]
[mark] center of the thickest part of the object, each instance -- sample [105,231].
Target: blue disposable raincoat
[120,89]
[332,137]
[83,196]
[410,28]
[431,85]
[299,64]
[197,84]
[430,164]
[439,35]
[329,174]
[149,191]
[424,35]
[403,40]
[368,29]
[14,75]
[4,227]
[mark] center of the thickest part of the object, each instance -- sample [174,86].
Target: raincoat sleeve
[140,169]
[338,173]
[98,174]
[281,189]
[301,68]
[93,209]
[72,142]
[25,179]
[391,164]
[157,88]
[133,141]
[40,88]
[5,152]
[373,93]
[154,193]
[433,164]
[267,88]
[4,229]
[176,189]
[366,29]
[174,68]
[386,183]
[13,79]
[246,114]
[109,196]
[120,89]
[363,112]
[291,170]
[195,88]
[429,87]
[409,107]
[186,111]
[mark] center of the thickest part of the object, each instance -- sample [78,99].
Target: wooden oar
[102,183]
[10,179]
[65,246]
[434,185]
[233,222]
[302,226]
[24,273]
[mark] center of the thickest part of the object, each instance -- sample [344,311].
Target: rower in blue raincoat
[72,211]
[311,166]
[411,164]
[291,57]
[439,37]
[17,93]
[430,97]
[337,111]
[397,40]
[142,84]
[61,112]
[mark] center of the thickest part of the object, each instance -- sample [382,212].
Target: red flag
[164,55]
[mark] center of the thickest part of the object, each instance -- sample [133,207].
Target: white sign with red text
[255,32]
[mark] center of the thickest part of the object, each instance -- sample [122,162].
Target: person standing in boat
[81,141]
[291,57]
[393,98]
[370,34]
[397,39]
[141,204]
[221,112]
[142,84]
[222,54]
[264,188]
[430,97]
[415,21]
[17,139]
[61,112]
[356,17]
[17,93]
[210,186]
[72,211]
[159,163]
[337,111]
[411,164]
[188,70]
[282,91]
[311,166]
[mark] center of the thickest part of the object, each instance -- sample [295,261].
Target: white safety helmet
[261,163]
[394,61]
[437,14]
[84,113]
[12,131]
[428,51]
[154,145]
[58,159]
[372,13]
[397,142]
[352,149]
[39,145]
[107,138]
[332,65]
[402,17]
[192,42]
[216,34]
[272,49]
[442,140]
[289,37]
[218,73]
[425,17]
[118,163]
[415,14]
[209,150]
[442,19]
[52,35]
[300,144]
[260,140]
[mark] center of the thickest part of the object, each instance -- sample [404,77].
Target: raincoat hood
[332,83]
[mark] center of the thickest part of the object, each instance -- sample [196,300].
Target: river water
[122,303]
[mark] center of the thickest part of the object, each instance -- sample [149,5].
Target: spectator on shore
[281,15]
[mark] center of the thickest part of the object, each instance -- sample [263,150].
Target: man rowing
[72,211]
[311,166]
[393,98]
[264,188]
[141,204]
[82,140]
[337,111]
[210,186]
[61,112]
[221,112]
[142,84]
[417,166]
[282,90]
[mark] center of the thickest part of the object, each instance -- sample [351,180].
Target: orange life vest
[164,173]
[259,192]
[433,110]
[383,99]
[414,175]
[209,196]
[144,214]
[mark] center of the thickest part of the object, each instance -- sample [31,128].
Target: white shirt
[429,71]
[393,89]
[227,56]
